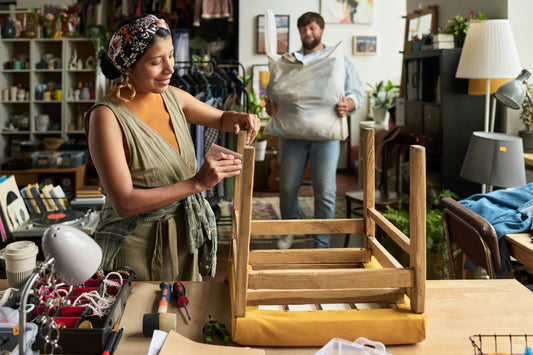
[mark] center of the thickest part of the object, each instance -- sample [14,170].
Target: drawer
[432,129]
[413,118]
[431,118]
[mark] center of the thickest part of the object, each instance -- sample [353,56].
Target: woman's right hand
[215,168]
[271,108]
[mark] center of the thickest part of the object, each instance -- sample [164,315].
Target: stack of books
[88,197]
[41,198]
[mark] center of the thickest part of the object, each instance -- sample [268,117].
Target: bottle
[85,93]
[8,28]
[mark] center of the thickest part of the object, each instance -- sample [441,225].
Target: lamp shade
[512,93]
[489,51]
[495,159]
[76,255]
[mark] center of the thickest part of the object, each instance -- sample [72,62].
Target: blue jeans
[323,157]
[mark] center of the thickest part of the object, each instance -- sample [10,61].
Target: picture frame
[282,25]
[347,11]
[364,45]
[260,79]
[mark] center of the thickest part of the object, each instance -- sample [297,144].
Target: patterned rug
[268,208]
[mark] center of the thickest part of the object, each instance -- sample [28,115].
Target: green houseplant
[458,26]
[382,98]
[526,117]
[435,251]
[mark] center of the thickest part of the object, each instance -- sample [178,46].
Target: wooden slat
[243,238]
[306,296]
[417,225]
[369,182]
[310,256]
[307,226]
[241,140]
[382,255]
[306,266]
[392,231]
[330,279]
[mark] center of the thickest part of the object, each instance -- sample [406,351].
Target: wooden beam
[417,225]
[306,296]
[382,255]
[307,226]
[330,279]
[392,231]
[310,256]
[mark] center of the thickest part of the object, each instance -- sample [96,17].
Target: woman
[155,219]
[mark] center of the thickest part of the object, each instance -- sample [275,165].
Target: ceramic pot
[527,140]
[380,115]
[260,149]
[8,28]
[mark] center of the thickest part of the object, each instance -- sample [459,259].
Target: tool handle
[180,294]
[166,290]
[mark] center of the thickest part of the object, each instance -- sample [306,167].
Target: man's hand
[345,106]
[271,108]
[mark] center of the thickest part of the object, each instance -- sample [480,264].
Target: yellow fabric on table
[315,328]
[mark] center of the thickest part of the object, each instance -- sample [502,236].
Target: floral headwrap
[129,42]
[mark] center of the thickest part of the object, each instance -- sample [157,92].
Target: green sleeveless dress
[176,242]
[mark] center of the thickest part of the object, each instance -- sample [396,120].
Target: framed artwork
[260,79]
[364,45]
[282,26]
[347,11]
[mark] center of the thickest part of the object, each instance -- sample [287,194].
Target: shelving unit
[439,110]
[73,63]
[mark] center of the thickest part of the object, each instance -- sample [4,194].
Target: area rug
[267,208]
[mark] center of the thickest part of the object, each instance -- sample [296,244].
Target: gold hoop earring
[125,83]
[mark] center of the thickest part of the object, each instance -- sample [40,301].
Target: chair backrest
[473,234]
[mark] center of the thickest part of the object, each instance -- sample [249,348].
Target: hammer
[160,320]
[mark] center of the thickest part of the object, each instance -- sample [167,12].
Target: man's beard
[311,45]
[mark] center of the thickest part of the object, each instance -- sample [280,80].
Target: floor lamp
[489,52]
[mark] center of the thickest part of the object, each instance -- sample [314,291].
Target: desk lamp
[513,92]
[489,52]
[494,159]
[72,255]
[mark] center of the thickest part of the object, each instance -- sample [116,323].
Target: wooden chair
[467,234]
[303,276]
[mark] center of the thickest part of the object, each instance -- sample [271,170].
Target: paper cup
[20,258]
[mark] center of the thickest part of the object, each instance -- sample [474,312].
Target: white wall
[388,25]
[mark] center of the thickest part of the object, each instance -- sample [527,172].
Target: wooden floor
[346,181]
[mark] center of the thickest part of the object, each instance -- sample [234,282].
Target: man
[323,155]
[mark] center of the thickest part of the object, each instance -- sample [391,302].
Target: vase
[8,28]
[380,115]
[47,32]
[260,149]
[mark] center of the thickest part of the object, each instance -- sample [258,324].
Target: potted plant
[526,116]
[437,262]
[458,26]
[382,96]
[257,106]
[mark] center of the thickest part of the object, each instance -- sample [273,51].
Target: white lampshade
[489,51]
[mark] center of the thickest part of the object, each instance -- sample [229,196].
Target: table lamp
[71,254]
[494,159]
[512,93]
[489,52]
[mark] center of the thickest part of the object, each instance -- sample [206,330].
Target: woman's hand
[215,168]
[240,121]
[271,108]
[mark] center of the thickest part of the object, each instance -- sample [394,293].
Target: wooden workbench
[456,309]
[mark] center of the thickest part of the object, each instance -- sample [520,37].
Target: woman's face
[152,72]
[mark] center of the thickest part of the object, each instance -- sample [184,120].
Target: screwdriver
[179,293]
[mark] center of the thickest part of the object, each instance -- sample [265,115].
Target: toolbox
[94,332]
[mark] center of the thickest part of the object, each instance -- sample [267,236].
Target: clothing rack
[216,83]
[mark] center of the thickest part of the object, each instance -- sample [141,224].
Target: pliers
[212,326]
